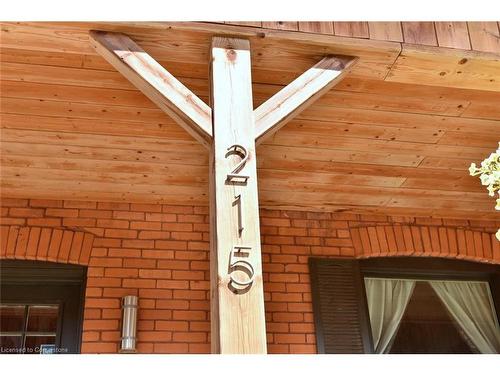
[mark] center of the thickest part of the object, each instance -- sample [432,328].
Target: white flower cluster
[489,173]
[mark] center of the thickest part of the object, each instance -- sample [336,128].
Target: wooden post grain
[238,318]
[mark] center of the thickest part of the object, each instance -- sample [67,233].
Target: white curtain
[387,301]
[471,306]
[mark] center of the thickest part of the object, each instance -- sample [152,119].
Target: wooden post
[238,318]
[229,129]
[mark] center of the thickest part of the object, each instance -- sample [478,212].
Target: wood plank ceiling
[74,128]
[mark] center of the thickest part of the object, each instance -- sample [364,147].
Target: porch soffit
[396,136]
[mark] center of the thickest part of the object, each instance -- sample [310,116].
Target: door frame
[26,273]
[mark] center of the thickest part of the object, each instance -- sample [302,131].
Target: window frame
[417,268]
[435,269]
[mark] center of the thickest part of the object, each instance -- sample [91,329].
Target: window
[431,316]
[405,305]
[427,326]
[41,307]
[28,328]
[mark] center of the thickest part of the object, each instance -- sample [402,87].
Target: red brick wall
[160,253]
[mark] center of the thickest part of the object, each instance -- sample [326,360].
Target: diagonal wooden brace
[299,94]
[145,73]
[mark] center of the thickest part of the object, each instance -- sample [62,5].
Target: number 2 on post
[235,175]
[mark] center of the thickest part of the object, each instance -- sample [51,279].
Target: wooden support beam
[229,129]
[299,94]
[238,318]
[168,93]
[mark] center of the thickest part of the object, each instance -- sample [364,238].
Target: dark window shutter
[339,303]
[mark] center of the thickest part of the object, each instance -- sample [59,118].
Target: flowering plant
[489,173]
